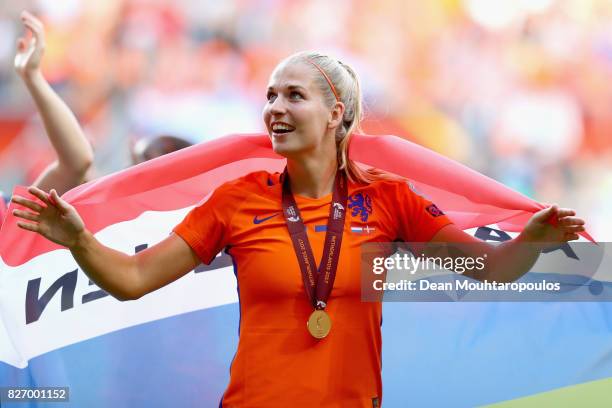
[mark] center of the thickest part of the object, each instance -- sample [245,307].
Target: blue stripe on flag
[190,353]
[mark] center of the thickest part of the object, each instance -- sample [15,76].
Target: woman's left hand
[552,225]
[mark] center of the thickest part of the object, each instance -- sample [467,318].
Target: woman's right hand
[56,220]
[30,48]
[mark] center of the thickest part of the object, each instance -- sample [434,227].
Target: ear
[336,115]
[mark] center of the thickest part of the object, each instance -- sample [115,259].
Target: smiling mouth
[280,129]
[281,133]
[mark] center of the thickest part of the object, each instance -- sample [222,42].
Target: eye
[271,96]
[295,95]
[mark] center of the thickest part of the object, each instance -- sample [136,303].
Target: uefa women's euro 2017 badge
[433,210]
[292,214]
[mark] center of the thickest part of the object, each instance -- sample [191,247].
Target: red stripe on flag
[183,178]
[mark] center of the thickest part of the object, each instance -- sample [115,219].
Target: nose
[278,106]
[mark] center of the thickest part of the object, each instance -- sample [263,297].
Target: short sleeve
[206,228]
[419,218]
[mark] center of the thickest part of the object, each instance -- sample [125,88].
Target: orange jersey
[278,363]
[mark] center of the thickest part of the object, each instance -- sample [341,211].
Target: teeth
[281,126]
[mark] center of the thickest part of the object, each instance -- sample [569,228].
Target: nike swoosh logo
[260,220]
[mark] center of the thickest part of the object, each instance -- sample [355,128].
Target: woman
[306,339]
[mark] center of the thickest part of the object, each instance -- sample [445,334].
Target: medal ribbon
[318,284]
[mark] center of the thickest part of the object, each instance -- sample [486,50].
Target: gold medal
[319,324]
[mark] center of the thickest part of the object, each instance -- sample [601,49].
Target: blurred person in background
[147,149]
[313,106]
[74,152]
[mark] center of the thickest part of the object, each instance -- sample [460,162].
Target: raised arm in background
[74,152]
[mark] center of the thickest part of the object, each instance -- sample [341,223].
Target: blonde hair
[344,83]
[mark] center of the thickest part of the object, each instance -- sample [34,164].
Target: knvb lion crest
[360,205]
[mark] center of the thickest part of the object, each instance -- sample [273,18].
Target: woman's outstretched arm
[74,152]
[125,277]
[510,260]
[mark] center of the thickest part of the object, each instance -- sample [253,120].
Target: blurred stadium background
[520,90]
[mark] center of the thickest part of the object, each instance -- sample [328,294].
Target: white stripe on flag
[55,329]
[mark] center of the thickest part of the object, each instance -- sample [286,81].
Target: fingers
[26,215]
[25,14]
[38,193]
[57,201]
[32,205]
[54,197]
[569,224]
[37,34]
[32,22]
[547,213]
[565,212]
[21,44]
[35,26]
[559,216]
[28,226]
[24,43]
[573,228]
[571,236]
[569,221]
